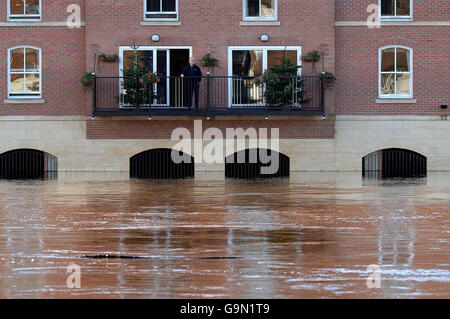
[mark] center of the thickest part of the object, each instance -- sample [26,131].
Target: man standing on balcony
[194,76]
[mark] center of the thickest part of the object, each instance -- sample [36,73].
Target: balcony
[218,96]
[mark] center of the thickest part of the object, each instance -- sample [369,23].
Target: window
[24,72]
[161,9]
[24,10]
[247,64]
[260,10]
[396,72]
[395,9]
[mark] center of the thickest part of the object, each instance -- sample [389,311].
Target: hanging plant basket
[108,58]
[87,79]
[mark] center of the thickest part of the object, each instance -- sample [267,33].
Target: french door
[246,66]
[167,63]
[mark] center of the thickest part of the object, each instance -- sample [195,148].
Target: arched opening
[159,164]
[28,164]
[256,163]
[394,162]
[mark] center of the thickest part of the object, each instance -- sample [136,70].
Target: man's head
[191,60]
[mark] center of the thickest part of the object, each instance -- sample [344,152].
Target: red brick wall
[63,62]
[357,60]
[160,129]
[423,10]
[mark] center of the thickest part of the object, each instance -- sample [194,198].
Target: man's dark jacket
[193,71]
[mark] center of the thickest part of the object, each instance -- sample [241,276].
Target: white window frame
[160,12]
[411,77]
[395,17]
[264,66]
[155,59]
[24,17]
[259,18]
[24,94]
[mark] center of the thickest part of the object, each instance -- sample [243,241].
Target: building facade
[392,88]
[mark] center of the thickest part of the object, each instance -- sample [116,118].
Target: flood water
[310,236]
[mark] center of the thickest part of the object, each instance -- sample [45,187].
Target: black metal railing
[216,95]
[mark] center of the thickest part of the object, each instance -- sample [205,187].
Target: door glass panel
[247,65]
[32,83]
[267,8]
[274,57]
[161,69]
[403,60]
[403,83]
[388,83]
[388,60]
[253,8]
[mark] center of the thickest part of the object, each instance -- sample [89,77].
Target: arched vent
[256,163]
[27,164]
[158,164]
[394,162]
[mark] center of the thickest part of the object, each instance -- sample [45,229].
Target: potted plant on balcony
[138,81]
[209,61]
[283,86]
[328,78]
[87,79]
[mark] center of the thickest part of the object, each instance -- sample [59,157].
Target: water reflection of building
[396,236]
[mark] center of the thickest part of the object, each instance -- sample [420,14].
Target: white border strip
[394,23]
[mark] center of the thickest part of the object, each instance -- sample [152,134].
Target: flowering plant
[150,78]
[208,60]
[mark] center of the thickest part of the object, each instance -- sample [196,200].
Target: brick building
[393,81]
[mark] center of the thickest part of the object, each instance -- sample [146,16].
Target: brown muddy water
[310,236]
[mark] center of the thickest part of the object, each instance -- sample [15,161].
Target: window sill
[258,23]
[161,23]
[24,101]
[35,24]
[396,101]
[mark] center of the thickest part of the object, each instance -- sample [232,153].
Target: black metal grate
[394,162]
[27,164]
[158,164]
[251,168]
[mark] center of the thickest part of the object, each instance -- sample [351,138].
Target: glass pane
[246,90]
[168,5]
[388,60]
[247,63]
[403,7]
[32,7]
[145,59]
[267,8]
[274,57]
[403,60]
[403,83]
[388,83]
[16,83]
[161,68]
[387,7]
[32,59]
[154,5]
[16,60]
[16,6]
[253,8]
[32,83]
